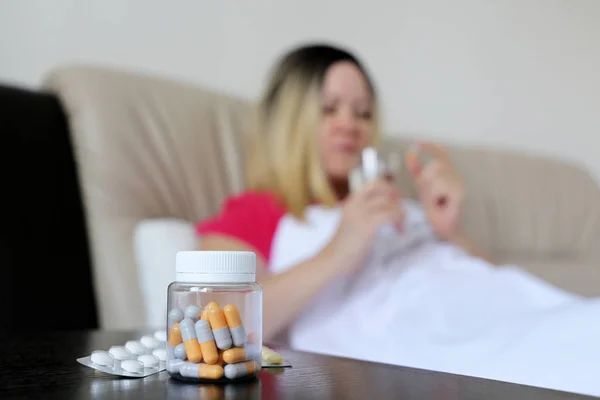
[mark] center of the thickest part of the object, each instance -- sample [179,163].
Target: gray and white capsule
[238,334]
[179,352]
[207,341]
[174,365]
[203,331]
[239,354]
[240,370]
[219,328]
[205,371]
[190,341]
[236,327]
[175,316]
[193,312]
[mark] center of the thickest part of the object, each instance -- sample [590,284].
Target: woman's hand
[439,187]
[363,213]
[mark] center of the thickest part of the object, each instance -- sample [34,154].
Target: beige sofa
[153,147]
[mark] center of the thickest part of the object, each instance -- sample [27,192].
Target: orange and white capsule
[175,335]
[240,370]
[234,321]
[219,327]
[239,354]
[206,308]
[190,341]
[207,342]
[205,371]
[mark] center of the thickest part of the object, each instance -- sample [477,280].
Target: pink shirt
[251,217]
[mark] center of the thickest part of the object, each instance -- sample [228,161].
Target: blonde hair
[283,157]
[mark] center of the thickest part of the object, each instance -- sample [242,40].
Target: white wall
[516,73]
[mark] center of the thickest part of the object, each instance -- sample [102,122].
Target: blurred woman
[335,281]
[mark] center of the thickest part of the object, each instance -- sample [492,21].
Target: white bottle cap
[215,266]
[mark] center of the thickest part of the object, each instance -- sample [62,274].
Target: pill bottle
[214,317]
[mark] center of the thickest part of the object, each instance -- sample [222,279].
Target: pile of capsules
[210,343]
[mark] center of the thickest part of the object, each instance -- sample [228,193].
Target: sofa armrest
[44,260]
[524,204]
[577,276]
[147,147]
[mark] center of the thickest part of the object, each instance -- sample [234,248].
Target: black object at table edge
[45,262]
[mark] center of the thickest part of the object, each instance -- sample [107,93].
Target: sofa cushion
[156,242]
[145,147]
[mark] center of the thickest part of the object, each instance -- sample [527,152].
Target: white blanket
[423,303]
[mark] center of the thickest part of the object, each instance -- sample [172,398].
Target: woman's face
[346,124]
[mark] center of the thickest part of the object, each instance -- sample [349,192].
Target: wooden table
[43,365]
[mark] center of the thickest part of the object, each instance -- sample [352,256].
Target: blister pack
[133,359]
[272,359]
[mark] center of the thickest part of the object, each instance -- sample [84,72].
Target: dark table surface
[43,365]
